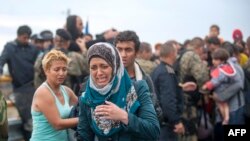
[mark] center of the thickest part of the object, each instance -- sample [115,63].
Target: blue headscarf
[119,90]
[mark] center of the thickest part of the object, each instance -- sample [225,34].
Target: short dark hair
[128,36]
[168,48]
[197,42]
[231,48]
[213,40]
[33,37]
[63,34]
[157,46]
[186,43]
[144,46]
[47,35]
[220,54]
[24,29]
[215,26]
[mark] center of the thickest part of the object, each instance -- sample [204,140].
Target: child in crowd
[221,77]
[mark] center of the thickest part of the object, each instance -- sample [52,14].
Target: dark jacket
[142,126]
[168,92]
[20,60]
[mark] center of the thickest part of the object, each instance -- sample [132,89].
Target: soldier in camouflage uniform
[39,76]
[77,67]
[143,57]
[147,65]
[192,69]
[3,119]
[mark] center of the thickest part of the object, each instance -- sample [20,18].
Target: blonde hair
[53,55]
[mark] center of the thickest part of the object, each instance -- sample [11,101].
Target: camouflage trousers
[190,121]
[3,119]
[188,138]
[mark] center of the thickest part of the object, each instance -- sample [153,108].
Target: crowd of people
[70,86]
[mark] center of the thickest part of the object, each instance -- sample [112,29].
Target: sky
[153,20]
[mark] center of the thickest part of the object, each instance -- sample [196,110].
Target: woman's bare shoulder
[68,90]
[42,93]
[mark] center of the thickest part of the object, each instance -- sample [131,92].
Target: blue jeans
[237,117]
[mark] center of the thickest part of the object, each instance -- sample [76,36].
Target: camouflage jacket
[3,118]
[78,64]
[192,66]
[39,75]
[146,65]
